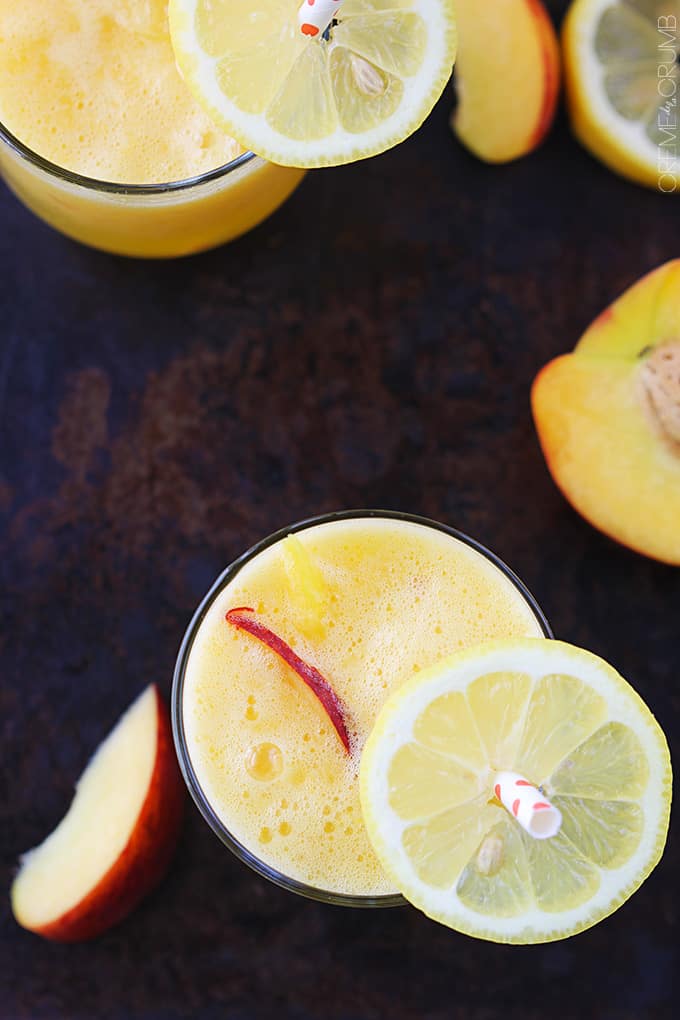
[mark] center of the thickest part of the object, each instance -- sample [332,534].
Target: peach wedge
[608,418]
[507,77]
[116,840]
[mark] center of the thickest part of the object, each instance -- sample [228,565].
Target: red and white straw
[315,16]
[528,805]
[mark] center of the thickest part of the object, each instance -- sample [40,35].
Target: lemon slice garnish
[575,729]
[363,86]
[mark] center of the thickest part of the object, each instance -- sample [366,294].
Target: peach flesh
[608,418]
[116,841]
[507,77]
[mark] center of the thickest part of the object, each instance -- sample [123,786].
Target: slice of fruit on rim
[623,81]
[472,760]
[351,90]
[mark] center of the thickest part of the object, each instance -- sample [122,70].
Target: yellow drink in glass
[100,137]
[368,598]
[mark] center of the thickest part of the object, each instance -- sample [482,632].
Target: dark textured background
[373,344]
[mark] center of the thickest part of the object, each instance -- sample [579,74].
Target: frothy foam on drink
[92,86]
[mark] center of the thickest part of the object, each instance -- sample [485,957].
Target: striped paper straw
[315,16]
[528,805]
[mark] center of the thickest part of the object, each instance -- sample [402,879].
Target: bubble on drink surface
[264,762]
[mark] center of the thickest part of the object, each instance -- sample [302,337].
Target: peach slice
[608,418]
[116,841]
[507,77]
[242,618]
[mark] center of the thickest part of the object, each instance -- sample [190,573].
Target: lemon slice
[623,88]
[363,86]
[565,720]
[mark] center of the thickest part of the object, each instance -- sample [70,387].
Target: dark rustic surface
[371,345]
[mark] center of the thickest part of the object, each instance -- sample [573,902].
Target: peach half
[116,841]
[507,77]
[608,418]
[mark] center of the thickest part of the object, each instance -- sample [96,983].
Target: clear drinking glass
[149,220]
[203,804]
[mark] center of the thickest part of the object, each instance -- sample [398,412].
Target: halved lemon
[623,86]
[567,722]
[357,89]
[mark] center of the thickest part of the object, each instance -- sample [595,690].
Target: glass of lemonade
[367,598]
[100,137]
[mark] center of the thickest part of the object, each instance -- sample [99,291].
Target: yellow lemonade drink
[101,138]
[367,601]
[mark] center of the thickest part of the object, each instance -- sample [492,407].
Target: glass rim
[116,187]
[210,816]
